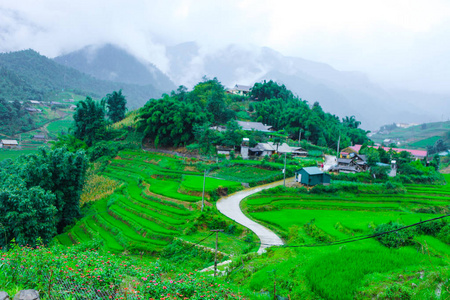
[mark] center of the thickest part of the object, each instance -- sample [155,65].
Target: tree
[205,137]
[169,122]
[26,213]
[232,137]
[116,105]
[89,120]
[60,172]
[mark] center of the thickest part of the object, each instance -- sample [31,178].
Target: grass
[142,201]
[13,154]
[195,183]
[344,271]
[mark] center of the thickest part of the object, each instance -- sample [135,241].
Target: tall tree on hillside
[169,122]
[26,213]
[62,173]
[89,120]
[116,105]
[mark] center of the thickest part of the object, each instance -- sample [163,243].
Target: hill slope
[339,92]
[419,136]
[27,74]
[109,62]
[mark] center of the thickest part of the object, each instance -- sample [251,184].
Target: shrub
[444,234]
[431,228]
[397,291]
[395,239]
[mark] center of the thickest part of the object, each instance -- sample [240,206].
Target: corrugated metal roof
[9,142]
[254,126]
[416,153]
[312,170]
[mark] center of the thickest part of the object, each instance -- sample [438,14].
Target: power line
[364,237]
[348,240]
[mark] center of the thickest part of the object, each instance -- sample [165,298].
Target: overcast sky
[399,43]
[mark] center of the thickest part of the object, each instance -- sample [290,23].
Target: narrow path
[229,206]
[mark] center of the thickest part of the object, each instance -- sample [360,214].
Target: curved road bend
[229,206]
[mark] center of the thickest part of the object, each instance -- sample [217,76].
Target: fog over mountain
[341,93]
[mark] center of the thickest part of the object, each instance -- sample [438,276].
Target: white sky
[402,43]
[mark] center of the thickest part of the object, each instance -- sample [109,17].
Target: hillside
[28,75]
[108,62]
[416,137]
[339,92]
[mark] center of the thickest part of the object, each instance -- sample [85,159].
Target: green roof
[312,170]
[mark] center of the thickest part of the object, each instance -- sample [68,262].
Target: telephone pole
[215,253]
[284,170]
[203,194]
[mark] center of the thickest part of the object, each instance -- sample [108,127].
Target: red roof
[415,153]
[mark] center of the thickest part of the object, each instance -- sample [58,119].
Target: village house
[9,144]
[239,89]
[256,126]
[355,163]
[417,154]
[312,176]
[269,148]
[39,137]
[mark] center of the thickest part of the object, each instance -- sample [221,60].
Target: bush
[444,234]
[431,228]
[397,291]
[395,239]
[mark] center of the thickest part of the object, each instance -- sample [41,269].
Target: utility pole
[299,136]
[215,253]
[339,141]
[284,170]
[203,194]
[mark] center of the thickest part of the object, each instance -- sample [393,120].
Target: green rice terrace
[364,269]
[152,199]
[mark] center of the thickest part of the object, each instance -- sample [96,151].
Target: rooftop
[254,126]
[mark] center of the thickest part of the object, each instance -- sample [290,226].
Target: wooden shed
[312,176]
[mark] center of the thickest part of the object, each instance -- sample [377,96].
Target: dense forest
[26,75]
[14,117]
[180,118]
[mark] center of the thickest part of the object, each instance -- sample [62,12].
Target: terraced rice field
[155,202]
[362,269]
[357,213]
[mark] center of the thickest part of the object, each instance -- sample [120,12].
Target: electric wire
[348,240]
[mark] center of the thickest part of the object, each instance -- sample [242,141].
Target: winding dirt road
[229,206]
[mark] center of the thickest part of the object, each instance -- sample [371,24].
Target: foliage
[60,172]
[438,146]
[26,213]
[170,122]
[14,117]
[116,105]
[89,120]
[278,107]
[28,75]
[57,270]
[394,239]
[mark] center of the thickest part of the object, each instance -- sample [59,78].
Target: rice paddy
[346,271]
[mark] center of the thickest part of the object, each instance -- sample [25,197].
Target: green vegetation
[158,199]
[40,194]
[80,272]
[356,270]
[26,75]
[419,136]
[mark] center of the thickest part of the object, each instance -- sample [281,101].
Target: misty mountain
[109,62]
[28,75]
[338,92]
